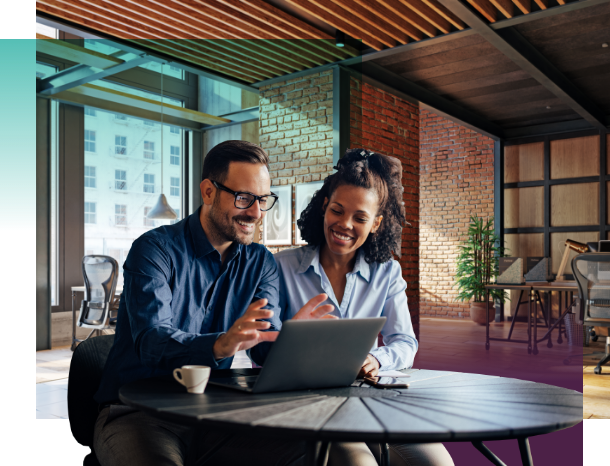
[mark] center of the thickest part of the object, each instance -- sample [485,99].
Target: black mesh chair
[86,368]
[592,273]
[100,274]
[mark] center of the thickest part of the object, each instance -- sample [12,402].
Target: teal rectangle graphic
[18,132]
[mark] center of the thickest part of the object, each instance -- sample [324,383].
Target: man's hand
[245,332]
[310,311]
[370,368]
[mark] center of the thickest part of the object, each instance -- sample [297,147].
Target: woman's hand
[370,368]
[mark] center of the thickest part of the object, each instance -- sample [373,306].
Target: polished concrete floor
[444,344]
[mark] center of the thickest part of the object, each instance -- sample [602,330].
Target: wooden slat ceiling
[252,40]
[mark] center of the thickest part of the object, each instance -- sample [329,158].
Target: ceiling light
[339,39]
[548,107]
[605,45]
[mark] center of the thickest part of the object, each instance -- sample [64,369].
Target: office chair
[85,375]
[100,274]
[592,273]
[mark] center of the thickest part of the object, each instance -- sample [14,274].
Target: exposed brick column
[456,181]
[389,125]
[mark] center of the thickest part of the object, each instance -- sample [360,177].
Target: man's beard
[224,228]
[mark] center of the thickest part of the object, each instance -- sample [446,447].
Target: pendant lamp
[162,210]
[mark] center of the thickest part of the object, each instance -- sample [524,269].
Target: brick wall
[456,181]
[296,130]
[389,125]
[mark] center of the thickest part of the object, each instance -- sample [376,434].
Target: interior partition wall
[554,188]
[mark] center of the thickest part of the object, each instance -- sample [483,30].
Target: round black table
[439,406]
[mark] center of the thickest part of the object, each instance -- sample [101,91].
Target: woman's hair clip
[366,154]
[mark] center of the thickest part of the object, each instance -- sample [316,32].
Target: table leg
[486,319]
[488,454]
[529,324]
[559,338]
[385,454]
[512,325]
[535,317]
[73,346]
[526,453]
[316,453]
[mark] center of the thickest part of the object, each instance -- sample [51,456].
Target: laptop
[319,353]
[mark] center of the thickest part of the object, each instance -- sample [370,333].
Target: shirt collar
[311,258]
[200,240]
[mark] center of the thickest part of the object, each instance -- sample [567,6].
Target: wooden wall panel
[575,204]
[521,245]
[576,157]
[524,162]
[608,153]
[524,207]
[558,245]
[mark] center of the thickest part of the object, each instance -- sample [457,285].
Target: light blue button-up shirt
[372,290]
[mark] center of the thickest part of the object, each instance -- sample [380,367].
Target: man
[196,293]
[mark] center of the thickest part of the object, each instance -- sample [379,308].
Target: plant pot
[477,312]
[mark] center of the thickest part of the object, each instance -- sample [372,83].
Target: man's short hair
[216,162]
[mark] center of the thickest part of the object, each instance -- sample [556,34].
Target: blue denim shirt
[178,298]
[371,290]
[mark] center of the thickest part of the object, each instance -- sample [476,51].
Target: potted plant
[477,266]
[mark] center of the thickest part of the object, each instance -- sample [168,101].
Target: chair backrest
[592,273]
[85,375]
[100,274]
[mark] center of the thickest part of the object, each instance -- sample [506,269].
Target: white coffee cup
[194,378]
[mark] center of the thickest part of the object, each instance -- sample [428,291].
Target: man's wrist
[217,350]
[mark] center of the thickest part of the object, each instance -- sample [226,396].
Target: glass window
[90,177]
[120,214]
[149,150]
[174,189]
[118,116]
[148,222]
[120,180]
[174,130]
[177,217]
[120,145]
[149,183]
[90,213]
[149,123]
[89,140]
[174,158]
[89,111]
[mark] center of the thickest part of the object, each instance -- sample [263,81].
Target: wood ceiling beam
[515,47]
[146,14]
[345,26]
[543,4]
[380,10]
[524,5]
[484,7]
[381,23]
[213,65]
[250,49]
[428,14]
[93,21]
[203,48]
[409,16]
[277,62]
[506,7]
[281,48]
[445,13]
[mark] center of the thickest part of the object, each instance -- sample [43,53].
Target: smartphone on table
[387,382]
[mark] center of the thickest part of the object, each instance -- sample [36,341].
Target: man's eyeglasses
[245,200]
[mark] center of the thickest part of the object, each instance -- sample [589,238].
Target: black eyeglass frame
[254,196]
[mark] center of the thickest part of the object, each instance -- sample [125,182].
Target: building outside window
[120,214]
[90,177]
[120,145]
[120,180]
[89,140]
[174,130]
[149,183]
[90,214]
[174,158]
[149,150]
[149,123]
[148,222]
[90,111]
[118,116]
[174,189]
[177,217]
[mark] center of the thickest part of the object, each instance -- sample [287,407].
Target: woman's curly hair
[369,170]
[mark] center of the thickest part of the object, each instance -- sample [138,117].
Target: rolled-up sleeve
[268,288]
[157,343]
[398,335]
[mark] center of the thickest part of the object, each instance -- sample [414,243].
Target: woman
[352,226]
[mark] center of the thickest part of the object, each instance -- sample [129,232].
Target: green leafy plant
[478,262]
